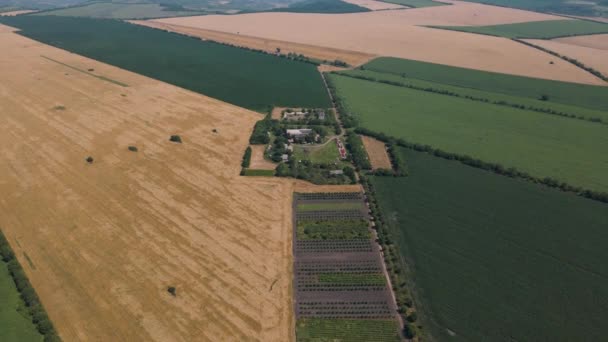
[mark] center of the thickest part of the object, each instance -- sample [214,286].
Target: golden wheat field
[595,41]
[591,57]
[400,33]
[102,241]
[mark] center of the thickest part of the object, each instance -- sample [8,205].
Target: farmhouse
[299,115]
[299,133]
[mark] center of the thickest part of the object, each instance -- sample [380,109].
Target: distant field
[588,96]
[245,78]
[15,324]
[538,29]
[588,8]
[498,259]
[322,6]
[543,145]
[416,3]
[119,11]
[491,96]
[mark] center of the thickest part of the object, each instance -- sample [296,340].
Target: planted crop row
[332,230]
[315,330]
[328,196]
[323,206]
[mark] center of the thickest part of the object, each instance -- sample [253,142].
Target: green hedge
[27,292]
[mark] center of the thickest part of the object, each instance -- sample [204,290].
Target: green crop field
[542,145]
[15,323]
[245,78]
[574,94]
[322,6]
[537,29]
[416,3]
[346,330]
[329,206]
[119,11]
[495,258]
[480,94]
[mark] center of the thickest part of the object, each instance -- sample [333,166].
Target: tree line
[27,293]
[577,63]
[394,264]
[493,167]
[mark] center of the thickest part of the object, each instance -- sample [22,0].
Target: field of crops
[322,6]
[536,29]
[317,330]
[495,258]
[540,144]
[416,3]
[587,96]
[15,324]
[548,107]
[244,78]
[119,11]
[588,8]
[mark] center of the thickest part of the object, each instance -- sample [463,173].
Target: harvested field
[270,45]
[14,13]
[375,5]
[396,33]
[376,151]
[594,58]
[257,159]
[105,240]
[595,41]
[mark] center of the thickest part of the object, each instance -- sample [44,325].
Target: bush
[89,160]
[133,148]
[176,139]
[172,290]
[246,157]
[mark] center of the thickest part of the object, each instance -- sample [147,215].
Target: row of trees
[396,268]
[493,167]
[478,99]
[246,158]
[28,294]
[567,59]
[354,144]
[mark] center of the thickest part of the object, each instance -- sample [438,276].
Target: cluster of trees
[260,131]
[354,144]
[478,99]
[493,167]
[399,168]
[567,59]
[315,173]
[27,292]
[394,265]
[246,158]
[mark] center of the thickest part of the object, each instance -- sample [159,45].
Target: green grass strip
[332,230]
[258,173]
[86,72]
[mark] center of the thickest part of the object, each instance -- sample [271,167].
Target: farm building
[299,133]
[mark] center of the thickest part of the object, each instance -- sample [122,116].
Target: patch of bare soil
[375,5]
[399,34]
[595,41]
[376,151]
[257,159]
[14,13]
[591,57]
[269,45]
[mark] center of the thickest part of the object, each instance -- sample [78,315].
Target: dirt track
[13,13]
[106,239]
[398,33]
[594,58]
[269,45]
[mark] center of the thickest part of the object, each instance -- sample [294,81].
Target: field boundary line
[103,78]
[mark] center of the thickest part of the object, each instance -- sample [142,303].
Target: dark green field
[498,259]
[416,3]
[322,6]
[537,29]
[581,95]
[244,78]
[15,320]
